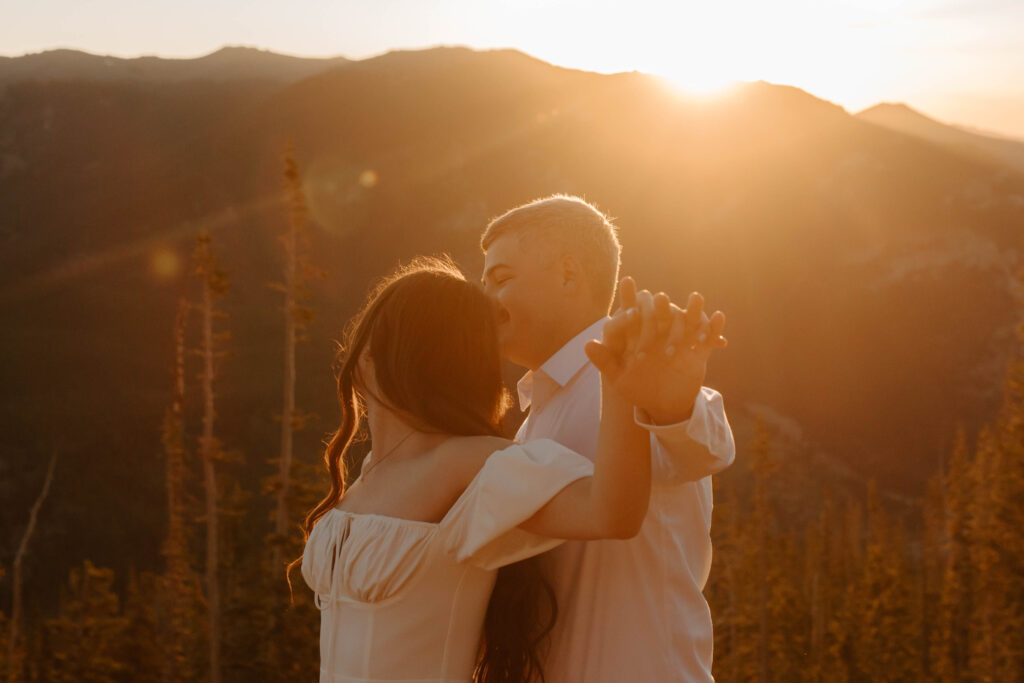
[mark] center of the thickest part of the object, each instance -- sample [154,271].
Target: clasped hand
[654,354]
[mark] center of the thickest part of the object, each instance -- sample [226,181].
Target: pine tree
[934,525]
[836,572]
[816,571]
[213,281]
[12,668]
[734,585]
[179,596]
[85,642]
[1007,533]
[887,643]
[144,646]
[845,628]
[297,317]
[997,643]
[290,635]
[760,607]
[782,639]
[725,582]
[953,647]
[293,651]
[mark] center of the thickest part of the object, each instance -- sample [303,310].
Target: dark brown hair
[432,339]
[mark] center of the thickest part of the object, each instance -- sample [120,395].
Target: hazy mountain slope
[866,274]
[900,117]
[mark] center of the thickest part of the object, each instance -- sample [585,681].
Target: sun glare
[702,49]
[699,85]
[843,52]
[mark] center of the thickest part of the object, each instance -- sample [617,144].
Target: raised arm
[692,437]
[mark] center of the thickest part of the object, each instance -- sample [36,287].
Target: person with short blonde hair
[563,223]
[627,610]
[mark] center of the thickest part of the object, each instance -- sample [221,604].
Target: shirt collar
[563,365]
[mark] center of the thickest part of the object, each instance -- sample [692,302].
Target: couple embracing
[576,552]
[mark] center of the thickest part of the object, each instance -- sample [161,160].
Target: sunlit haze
[959,61]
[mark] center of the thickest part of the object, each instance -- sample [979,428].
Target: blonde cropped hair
[572,226]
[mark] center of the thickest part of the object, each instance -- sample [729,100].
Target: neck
[394,437]
[561,336]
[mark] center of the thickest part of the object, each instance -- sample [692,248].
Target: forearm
[613,502]
[621,487]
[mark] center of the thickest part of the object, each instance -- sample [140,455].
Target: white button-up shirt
[630,610]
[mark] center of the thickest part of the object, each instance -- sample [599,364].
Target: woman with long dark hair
[420,565]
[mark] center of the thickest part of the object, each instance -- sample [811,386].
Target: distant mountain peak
[240,49]
[891,106]
[892,110]
[233,53]
[450,53]
[902,118]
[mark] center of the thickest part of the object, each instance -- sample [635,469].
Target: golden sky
[959,61]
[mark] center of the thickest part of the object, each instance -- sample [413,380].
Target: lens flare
[164,263]
[368,178]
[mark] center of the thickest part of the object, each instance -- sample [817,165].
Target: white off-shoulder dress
[404,601]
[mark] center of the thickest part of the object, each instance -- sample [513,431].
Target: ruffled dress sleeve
[514,483]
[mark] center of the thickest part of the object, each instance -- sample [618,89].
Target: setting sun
[839,52]
[699,85]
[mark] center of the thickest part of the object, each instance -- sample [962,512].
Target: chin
[506,348]
[510,350]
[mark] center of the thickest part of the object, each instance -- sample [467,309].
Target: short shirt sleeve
[514,483]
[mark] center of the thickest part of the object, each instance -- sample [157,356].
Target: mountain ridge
[225,63]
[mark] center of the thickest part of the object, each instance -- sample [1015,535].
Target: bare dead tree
[16,568]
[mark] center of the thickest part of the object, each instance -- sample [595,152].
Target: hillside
[867,274]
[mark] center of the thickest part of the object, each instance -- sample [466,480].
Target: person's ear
[572,273]
[365,379]
[364,361]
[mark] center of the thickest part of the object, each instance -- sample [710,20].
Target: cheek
[512,300]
